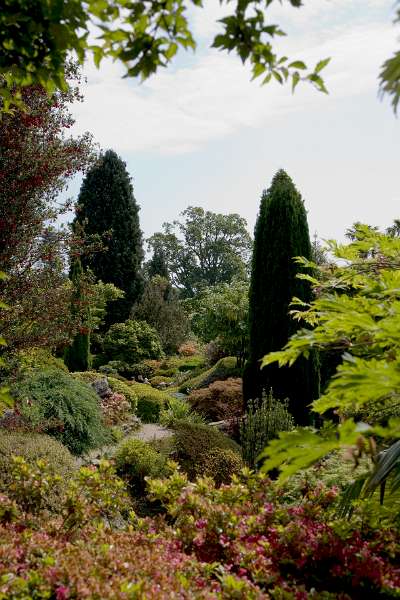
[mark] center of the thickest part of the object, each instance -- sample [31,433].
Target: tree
[281,233]
[204,249]
[221,314]
[160,308]
[106,205]
[157,265]
[77,355]
[355,310]
[37,37]
[38,159]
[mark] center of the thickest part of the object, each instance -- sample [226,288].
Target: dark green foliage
[63,407]
[106,204]
[157,265]
[132,342]
[77,356]
[33,447]
[223,369]
[135,460]
[281,233]
[150,402]
[195,441]
[261,424]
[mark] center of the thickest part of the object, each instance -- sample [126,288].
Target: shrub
[159,379]
[143,369]
[178,410]
[63,407]
[261,424]
[131,342]
[150,402]
[115,409]
[135,460]
[33,447]
[188,349]
[191,363]
[194,441]
[120,387]
[86,376]
[221,400]
[221,464]
[225,368]
[166,372]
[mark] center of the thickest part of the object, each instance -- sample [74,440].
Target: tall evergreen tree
[77,356]
[281,233]
[106,202]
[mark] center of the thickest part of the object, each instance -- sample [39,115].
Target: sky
[201,133]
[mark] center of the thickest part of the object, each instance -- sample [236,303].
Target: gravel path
[152,431]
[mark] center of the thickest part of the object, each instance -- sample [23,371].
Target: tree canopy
[203,249]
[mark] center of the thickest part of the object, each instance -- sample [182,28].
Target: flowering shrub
[287,551]
[115,408]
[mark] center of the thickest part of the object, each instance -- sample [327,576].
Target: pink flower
[62,593]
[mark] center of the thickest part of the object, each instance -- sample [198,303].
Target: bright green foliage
[77,356]
[223,369]
[150,402]
[135,460]
[194,441]
[37,37]
[221,314]
[63,407]
[101,294]
[281,233]
[357,311]
[132,342]
[203,249]
[33,447]
[107,207]
[178,410]
[261,424]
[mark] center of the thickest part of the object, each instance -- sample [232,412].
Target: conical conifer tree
[281,233]
[77,356]
[106,202]
[157,264]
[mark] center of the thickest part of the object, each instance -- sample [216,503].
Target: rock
[101,387]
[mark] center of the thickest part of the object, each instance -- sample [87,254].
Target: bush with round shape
[150,402]
[194,441]
[188,349]
[142,369]
[221,400]
[33,447]
[221,464]
[158,380]
[135,460]
[131,342]
[63,407]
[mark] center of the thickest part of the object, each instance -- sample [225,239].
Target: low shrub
[115,409]
[221,464]
[33,447]
[131,342]
[135,460]
[126,389]
[223,369]
[178,410]
[166,372]
[191,363]
[62,406]
[221,400]
[143,369]
[159,379]
[194,441]
[262,423]
[213,352]
[86,376]
[150,402]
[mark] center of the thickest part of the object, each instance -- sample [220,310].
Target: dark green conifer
[157,265]
[106,203]
[281,233]
[77,356]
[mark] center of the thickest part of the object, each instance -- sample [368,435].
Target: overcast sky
[200,133]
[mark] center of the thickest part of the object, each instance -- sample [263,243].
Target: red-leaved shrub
[221,400]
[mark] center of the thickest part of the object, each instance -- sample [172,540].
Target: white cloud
[179,111]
